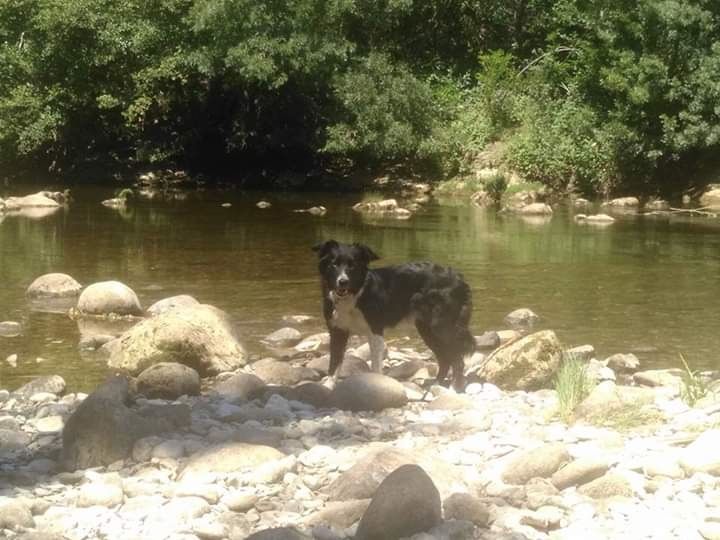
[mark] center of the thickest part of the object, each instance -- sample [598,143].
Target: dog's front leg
[377,351]
[338,343]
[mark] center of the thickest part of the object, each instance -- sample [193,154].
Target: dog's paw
[328,382]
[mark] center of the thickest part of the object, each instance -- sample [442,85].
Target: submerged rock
[384,208]
[53,285]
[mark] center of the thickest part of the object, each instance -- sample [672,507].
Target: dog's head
[344,267]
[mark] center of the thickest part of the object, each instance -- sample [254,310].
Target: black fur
[357,299]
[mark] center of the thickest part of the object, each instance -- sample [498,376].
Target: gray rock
[12,440]
[659,377]
[14,514]
[540,462]
[405,503]
[578,472]
[450,402]
[230,457]
[53,285]
[466,507]
[582,353]
[201,337]
[284,337]
[279,533]
[711,199]
[179,301]
[239,387]
[107,494]
[108,297]
[94,342]
[623,363]
[611,484]
[487,341]
[623,202]
[535,209]
[369,392]
[607,397]
[53,384]
[315,394]
[103,429]
[526,364]
[168,380]
[275,372]
[339,514]
[10,329]
[521,317]
[351,365]
[239,501]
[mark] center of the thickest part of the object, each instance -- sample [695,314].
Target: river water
[644,284]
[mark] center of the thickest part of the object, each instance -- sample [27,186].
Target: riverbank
[264,447]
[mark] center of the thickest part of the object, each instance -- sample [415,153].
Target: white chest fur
[347,316]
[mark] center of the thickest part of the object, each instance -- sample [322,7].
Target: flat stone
[542,462]
[579,471]
[611,484]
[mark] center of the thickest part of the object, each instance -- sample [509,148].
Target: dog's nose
[343,281]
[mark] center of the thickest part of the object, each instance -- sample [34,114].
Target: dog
[364,301]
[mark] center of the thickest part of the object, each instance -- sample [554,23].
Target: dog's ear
[323,248]
[367,254]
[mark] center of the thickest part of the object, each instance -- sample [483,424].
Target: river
[642,284]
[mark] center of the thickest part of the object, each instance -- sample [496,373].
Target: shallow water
[645,285]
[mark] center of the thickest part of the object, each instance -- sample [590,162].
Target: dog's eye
[350,264]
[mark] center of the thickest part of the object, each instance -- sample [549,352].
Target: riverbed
[644,284]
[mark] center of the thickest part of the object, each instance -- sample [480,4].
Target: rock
[405,503]
[12,440]
[466,507]
[12,360]
[179,301]
[710,530]
[94,341]
[36,200]
[540,462]
[279,533]
[711,199]
[578,472]
[109,297]
[239,387]
[314,343]
[276,372]
[239,501]
[384,208]
[623,363]
[662,464]
[487,341]
[351,365]
[313,210]
[701,456]
[450,402]
[53,384]
[369,392]
[10,329]
[14,514]
[263,204]
[583,353]
[201,337]
[362,479]
[526,364]
[544,518]
[101,493]
[284,337]
[659,377]
[581,203]
[535,209]
[103,429]
[315,394]
[611,484]
[339,515]
[53,285]
[168,380]
[230,457]
[657,205]
[623,202]
[521,317]
[595,219]
[607,397]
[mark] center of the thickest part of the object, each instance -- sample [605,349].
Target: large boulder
[201,337]
[108,297]
[181,300]
[369,392]
[53,384]
[711,198]
[168,380]
[405,503]
[54,285]
[103,429]
[526,364]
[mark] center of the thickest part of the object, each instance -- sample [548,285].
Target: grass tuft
[572,385]
[694,386]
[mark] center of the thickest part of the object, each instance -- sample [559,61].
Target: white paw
[328,382]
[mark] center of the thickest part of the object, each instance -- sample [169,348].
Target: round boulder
[168,380]
[406,502]
[181,300]
[239,387]
[201,337]
[369,392]
[109,297]
[53,285]
[284,337]
[526,364]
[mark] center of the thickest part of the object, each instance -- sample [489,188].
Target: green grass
[628,417]
[572,385]
[694,386]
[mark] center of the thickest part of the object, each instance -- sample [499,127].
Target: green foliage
[694,386]
[496,187]
[572,385]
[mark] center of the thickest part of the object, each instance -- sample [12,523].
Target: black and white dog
[360,300]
